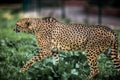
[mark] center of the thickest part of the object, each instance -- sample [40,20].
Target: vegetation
[16,49]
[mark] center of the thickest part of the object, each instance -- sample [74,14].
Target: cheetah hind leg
[92,62]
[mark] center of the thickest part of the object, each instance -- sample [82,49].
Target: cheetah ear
[49,19]
[28,23]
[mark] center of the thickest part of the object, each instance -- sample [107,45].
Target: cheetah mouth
[17,30]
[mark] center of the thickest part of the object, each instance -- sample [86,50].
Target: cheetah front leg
[56,56]
[43,53]
[92,62]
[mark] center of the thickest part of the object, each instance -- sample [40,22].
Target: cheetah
[53,36]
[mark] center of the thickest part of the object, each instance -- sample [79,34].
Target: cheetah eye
[28,23]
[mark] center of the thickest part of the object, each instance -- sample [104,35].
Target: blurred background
[16,49]
[86,11]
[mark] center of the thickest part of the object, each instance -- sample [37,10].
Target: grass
[16,49]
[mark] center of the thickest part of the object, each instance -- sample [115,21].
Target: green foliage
[16,49]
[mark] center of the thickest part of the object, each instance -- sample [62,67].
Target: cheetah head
[25,25]
[31,25]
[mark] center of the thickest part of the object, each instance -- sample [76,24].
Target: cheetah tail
[114,56]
